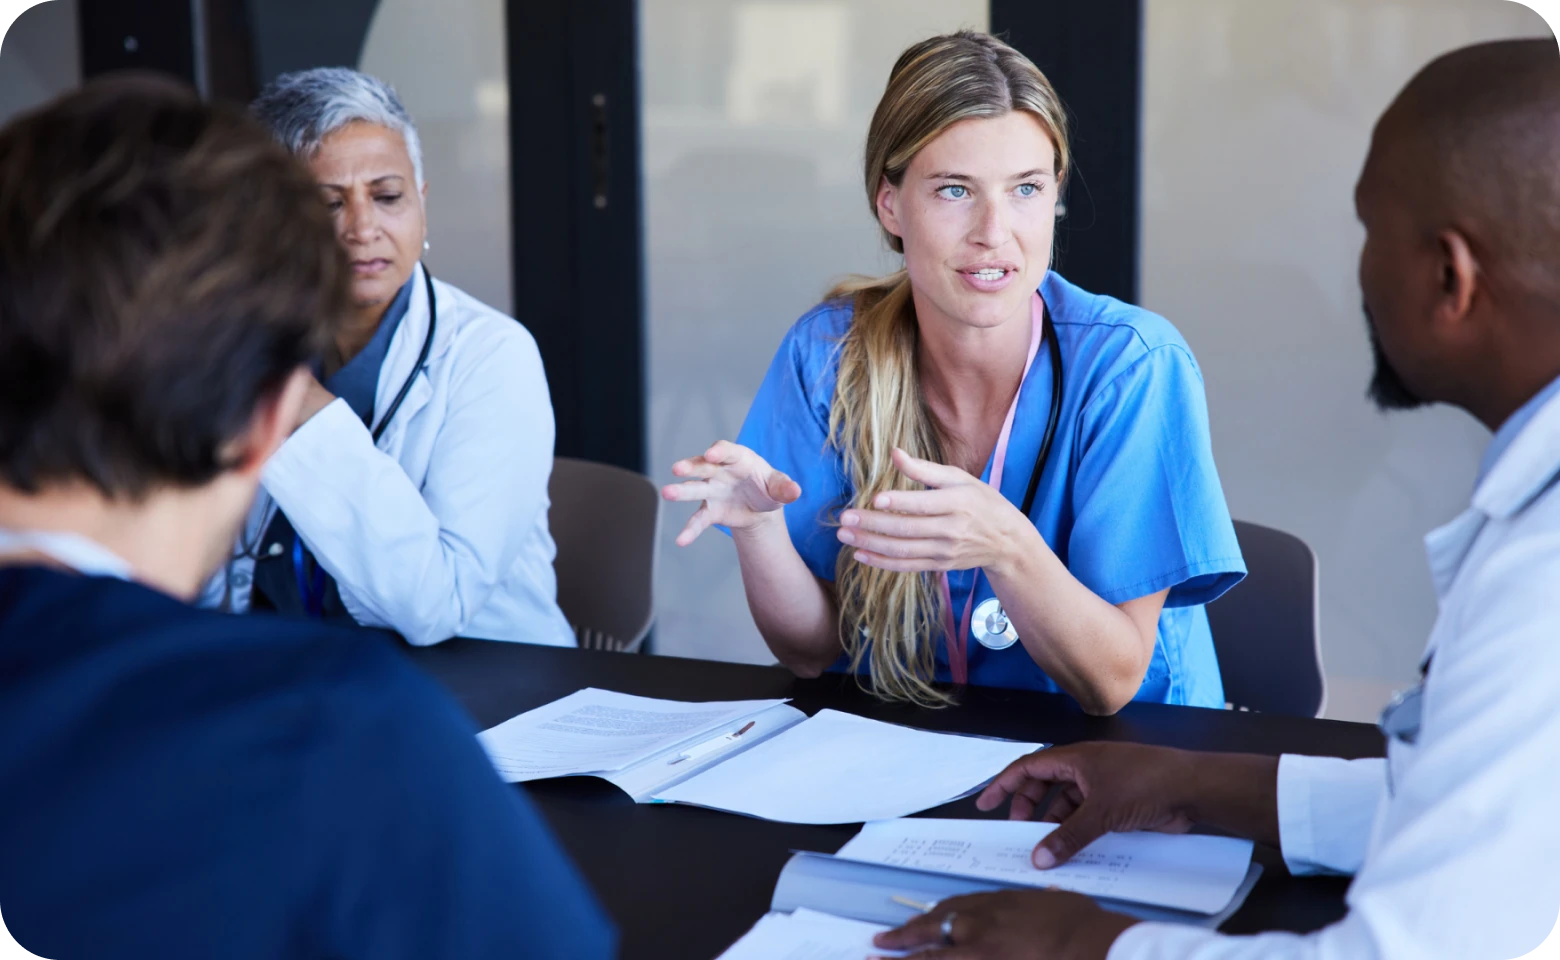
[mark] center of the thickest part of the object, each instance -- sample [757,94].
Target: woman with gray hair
[412,493]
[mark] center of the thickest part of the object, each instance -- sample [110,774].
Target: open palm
[737,487]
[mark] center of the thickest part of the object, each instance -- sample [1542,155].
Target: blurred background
[659,188]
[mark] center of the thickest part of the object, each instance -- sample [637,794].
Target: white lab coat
[1460,857]
[441,529]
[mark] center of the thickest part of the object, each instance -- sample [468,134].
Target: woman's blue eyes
[954,191]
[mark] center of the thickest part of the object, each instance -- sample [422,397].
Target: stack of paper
[807,935]
[841,768]
[1181,872]
[894,870]
[598,731]
[762,758]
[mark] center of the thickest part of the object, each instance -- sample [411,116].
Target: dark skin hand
[1012,925]
[1094,789]
[1115,787]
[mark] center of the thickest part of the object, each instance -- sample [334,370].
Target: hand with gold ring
[1010,925]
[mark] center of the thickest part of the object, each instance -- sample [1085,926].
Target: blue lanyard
[311,586]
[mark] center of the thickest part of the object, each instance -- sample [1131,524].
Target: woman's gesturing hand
[957,523]
[738,488]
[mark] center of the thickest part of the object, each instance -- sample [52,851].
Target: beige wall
[447,62]
[1257,117]
[40,57]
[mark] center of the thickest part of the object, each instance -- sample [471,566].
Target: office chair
[1265,629]
[606,522]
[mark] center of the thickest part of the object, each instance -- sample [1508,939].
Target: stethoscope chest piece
[991,627]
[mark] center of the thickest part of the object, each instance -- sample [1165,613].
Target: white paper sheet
[642,780]
[807,935]
[840,768]
[1179,871]
[597,731]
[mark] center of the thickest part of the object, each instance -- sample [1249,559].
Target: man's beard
[1387,388]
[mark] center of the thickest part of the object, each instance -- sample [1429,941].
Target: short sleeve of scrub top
[788,425]
[1129,499]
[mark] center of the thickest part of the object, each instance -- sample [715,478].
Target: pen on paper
[709,745]
[914,904]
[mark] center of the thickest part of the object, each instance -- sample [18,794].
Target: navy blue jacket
[181,783]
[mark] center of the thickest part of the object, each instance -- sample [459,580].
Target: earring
[425,246]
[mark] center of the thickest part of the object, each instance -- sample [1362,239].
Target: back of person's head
[1460,198]
[892,619]
[165,268]
[1475,140]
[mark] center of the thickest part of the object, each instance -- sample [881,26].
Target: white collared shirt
[82,554]
[1454,840]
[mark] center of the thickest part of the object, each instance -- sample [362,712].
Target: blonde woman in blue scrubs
[875,492]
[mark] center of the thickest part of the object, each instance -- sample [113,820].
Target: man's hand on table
[1011,925]
[1094,789]
[1102,788]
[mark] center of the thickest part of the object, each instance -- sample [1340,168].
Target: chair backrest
[606,522]
[1265,629]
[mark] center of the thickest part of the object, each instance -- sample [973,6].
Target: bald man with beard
[1453,840]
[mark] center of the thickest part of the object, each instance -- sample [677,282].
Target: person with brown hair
[987,474]
[1451,838]
[175,782]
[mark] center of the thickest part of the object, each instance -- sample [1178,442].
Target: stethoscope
[1403,718]
[311,576]
[990,624]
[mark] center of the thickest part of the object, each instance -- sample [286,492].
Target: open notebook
[828,907]
[762,758]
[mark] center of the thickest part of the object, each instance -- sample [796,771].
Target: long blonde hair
[892,620]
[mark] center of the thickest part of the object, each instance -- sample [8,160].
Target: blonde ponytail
[878,406]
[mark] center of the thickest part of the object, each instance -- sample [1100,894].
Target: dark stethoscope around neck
[990,625]
[422,357]
[310,575]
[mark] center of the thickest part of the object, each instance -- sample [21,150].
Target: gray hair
[305,107]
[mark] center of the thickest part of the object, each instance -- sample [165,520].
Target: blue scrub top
[1130,500]
[358,380]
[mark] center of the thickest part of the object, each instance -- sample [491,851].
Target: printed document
[840,768]
[807,935]
[1179,871]
[599,731]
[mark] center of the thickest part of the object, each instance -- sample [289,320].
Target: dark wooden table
[686,882]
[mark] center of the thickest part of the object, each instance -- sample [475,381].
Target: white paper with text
[1179,871]
[840,768]
[599,731]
